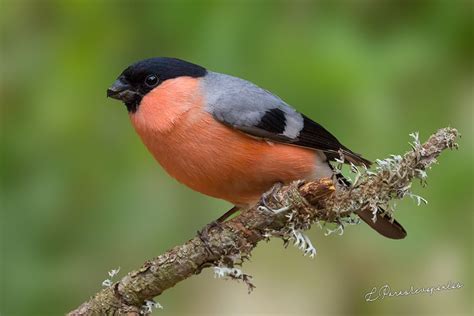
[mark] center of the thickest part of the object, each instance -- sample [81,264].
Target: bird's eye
[151,80]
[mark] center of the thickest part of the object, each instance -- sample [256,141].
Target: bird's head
[141,77]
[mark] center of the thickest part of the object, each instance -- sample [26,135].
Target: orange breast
[207,156]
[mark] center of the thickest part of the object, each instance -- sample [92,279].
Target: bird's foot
[271,194]
[203,234]
[273,210]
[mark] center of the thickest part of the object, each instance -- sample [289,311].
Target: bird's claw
[203,234]
[270,193]
[272,210]
[263,200]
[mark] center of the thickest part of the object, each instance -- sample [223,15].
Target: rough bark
[230,243]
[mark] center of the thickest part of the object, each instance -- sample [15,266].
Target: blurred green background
[81,195]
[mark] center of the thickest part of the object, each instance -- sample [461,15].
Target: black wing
[285,125]
[259,113]
[313,135]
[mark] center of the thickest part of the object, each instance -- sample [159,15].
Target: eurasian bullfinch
[226,137]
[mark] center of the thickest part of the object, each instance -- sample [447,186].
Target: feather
[258,113]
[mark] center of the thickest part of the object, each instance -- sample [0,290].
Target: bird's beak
[120,90]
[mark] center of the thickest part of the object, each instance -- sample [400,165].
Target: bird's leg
[204,233]
[228,214]
[270,193]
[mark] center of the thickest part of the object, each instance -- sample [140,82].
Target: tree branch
[302,204]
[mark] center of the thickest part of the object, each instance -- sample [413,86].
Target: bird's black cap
[143,76]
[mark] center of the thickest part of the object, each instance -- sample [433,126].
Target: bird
[226,137]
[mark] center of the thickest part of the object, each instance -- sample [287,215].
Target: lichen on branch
[302,204]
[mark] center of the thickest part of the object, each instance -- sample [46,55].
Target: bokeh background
[81,195]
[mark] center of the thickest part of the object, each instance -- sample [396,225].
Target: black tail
[383,225]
